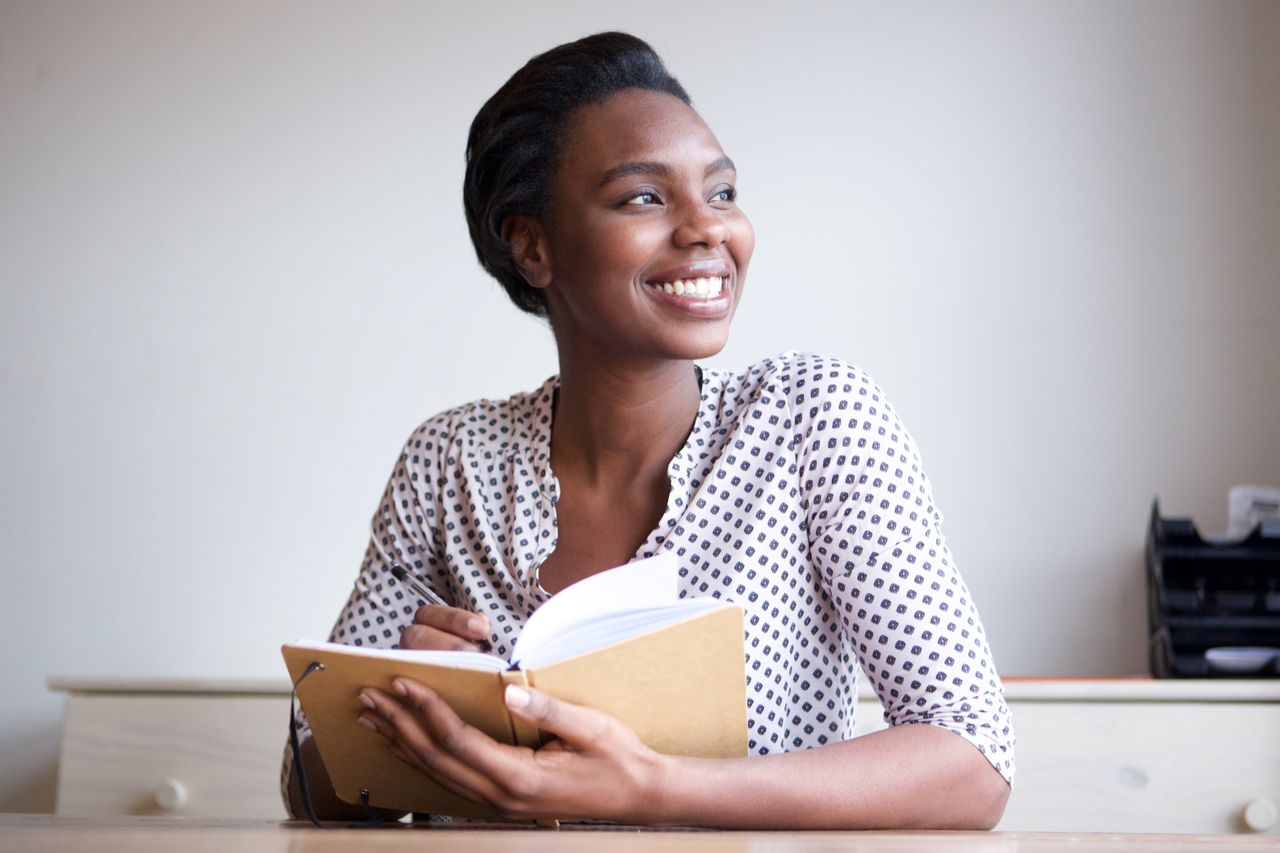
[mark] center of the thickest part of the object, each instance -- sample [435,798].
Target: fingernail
[398,686]
[518,697]
[368,724]
[367,701]
[478,625]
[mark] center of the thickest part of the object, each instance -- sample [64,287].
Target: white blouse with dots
[798,495]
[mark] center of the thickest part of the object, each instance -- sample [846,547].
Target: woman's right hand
[449,629]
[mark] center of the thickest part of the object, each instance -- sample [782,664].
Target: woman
[601,201]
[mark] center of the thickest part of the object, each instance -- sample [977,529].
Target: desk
[1094,755]
[32,833]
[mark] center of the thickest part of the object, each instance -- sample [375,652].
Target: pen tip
[398,572]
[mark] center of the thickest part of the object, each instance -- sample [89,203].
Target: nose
[703,225]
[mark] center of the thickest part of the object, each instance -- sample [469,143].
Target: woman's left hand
[596,768]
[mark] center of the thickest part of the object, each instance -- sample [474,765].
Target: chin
[700,346]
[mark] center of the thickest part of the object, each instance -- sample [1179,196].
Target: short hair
[515,140]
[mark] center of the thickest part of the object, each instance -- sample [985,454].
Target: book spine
[522,733]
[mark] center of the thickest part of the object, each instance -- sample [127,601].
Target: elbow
[988,805]
[981,806]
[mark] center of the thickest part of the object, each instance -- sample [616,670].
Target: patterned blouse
[798,495]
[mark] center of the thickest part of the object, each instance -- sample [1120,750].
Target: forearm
[912,776]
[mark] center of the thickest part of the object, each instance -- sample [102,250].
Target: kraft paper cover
[356,757]
[682,688]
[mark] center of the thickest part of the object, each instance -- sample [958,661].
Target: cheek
[742,242]
[638,241]
[609,250]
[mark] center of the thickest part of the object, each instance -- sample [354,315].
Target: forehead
[635,125]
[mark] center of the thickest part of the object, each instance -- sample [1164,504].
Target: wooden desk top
[1017,688]
[22,833]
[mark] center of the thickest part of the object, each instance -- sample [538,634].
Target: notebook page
[586,637]
[465,660]
[641,585]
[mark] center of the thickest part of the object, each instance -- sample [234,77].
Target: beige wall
[234,275]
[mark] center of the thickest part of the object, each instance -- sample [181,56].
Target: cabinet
[1138,755]
[1093,755]
[200,749]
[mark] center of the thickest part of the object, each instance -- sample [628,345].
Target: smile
[691,286]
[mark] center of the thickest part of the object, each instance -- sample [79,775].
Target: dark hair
[514,144]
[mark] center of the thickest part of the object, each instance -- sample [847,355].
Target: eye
[728,194]
[644,197]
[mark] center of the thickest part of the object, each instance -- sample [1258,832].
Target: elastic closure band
[374,821]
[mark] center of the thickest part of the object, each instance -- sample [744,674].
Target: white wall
[234,275]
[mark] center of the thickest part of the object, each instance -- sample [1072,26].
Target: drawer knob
[1260,814]
[170,795]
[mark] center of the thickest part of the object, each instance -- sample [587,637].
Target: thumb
[580,727]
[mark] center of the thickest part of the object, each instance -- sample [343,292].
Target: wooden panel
[1141,689]
[1135,689]
[1142,767]
[200,686]
[1083,766]
[224,750]
[1155,766]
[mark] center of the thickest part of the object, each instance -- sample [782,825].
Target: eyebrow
[724,164]
[660,170]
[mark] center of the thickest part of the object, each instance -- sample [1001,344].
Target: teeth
[693,286]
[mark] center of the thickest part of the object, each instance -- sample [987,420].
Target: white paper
[473,660]
[1240,659]
[641,585]
[1251,505]
[596,634]
[597,611]
[1247,506]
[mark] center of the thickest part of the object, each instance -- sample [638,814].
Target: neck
[620,422]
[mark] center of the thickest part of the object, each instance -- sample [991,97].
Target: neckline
[680,464]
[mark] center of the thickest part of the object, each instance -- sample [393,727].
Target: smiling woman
[600,200]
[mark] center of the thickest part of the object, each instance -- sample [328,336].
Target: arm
[876,542]
[907,777]
[914,776]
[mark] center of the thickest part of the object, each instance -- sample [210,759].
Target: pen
[427,596]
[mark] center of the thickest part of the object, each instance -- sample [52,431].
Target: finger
[425,637]
[410,760]
[389,718]
[429,730]
[453,620]
[409,741]
[470,757]
[580,727]
[375,722]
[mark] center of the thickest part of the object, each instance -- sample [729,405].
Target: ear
[529,249]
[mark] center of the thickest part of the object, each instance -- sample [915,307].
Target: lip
[715,268]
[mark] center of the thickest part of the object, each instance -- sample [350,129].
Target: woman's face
[644,208]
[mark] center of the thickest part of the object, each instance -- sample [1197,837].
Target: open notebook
[621,641]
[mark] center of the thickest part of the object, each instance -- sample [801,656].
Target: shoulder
[821,402]
[486,425]
[798,381]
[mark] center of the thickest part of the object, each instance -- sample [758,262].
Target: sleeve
[876,539]
[402,532]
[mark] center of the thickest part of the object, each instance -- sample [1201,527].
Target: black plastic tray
[1202,595]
